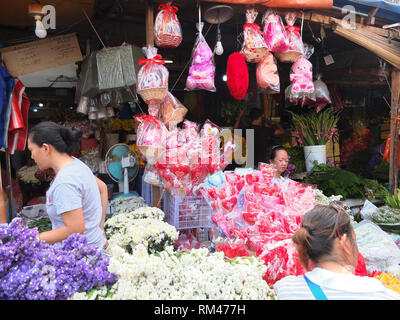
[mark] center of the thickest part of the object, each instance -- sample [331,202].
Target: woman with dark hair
[279,157]
[327,248]
[75,199]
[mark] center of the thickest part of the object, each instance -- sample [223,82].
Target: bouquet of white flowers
[127,204]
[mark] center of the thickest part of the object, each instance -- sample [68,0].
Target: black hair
[63,139]
[274,150]
[255,113]
[319,228]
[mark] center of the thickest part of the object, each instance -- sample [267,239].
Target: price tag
[329,60]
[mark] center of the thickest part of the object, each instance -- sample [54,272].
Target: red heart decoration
[239,185]
[230,203]
[212,193]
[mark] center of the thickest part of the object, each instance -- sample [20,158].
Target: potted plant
[313,130]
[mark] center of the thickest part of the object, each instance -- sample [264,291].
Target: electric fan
[122,167]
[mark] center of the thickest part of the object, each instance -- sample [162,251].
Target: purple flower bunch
[34,270]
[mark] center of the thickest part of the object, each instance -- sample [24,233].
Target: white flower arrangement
[195,274]
[127,204]
[323,199]
[128,232]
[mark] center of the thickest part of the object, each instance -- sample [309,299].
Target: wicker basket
[155,95]
[254,55]
[288,56]
[166,40]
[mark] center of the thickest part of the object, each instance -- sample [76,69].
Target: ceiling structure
[119,21]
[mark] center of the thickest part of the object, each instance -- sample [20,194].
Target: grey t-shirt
[75,187]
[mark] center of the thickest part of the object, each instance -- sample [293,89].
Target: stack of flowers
[31,269]
[387,279]
[195,274]
[127,204]
[142,226]
[248,205]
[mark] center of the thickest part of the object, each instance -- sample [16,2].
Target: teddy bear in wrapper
[201,73]
[301,76]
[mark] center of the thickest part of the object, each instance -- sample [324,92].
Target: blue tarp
[387,10]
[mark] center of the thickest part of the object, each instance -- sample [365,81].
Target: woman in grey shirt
[76,201]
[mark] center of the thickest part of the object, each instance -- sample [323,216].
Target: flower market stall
[201,221]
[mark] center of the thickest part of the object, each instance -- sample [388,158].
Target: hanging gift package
[274,32]
[295,43]
[152,78]
[267,74]
[172,111]
[167,29]
[237,76]
[254,47]
[201,72]
[322,97]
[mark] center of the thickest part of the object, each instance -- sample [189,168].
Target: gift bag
[322,97]
[201,72]
[274,32]
[267,74]
[172,111]
[152,79]
[295,43]
[167,29]
[150,137]
[254,47]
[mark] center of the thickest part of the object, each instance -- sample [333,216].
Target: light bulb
[219,49]
[224,77]
[40,31]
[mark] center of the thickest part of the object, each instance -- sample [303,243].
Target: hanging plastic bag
[274,32]
[151,136]
[254,47]
[322,97]
[295,43]
[301,76]
[167,29]
[201,72]
[152,79]
[172,111]
[267,74]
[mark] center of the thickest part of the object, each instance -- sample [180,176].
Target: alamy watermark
[49,20]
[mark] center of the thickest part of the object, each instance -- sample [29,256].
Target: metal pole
[9,184]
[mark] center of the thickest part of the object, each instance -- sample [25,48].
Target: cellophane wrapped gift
[267,74]
[202,69]
[322,96]
[295,43]
[150,137]
[172,111]
[254,47]
[152,78]
[301,77]
[274,32]
[167,29]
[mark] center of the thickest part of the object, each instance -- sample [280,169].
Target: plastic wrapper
[299,98]
[172,111]
[167,29]
[233,249]
[267,74]
[151,136]
[378,248]
[116,67]
[151,176]
[322,97]
[254,47]
[89,77]
[274,32]
[202,69]
[295,43]
[152,78]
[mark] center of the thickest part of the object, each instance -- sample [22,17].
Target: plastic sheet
[172,111]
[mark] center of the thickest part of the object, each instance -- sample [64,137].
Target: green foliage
[393,201]
[230,112]
[337,181]
[296,155]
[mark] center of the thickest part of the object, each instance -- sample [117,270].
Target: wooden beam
[371,16]
[150,23]
[394,132]
[328,20]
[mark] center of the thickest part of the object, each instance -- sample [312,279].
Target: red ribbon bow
[169,9]
[293,29]
[145,118]
[255,26]
[156,59]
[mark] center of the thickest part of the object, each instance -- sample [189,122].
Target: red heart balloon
[230,203]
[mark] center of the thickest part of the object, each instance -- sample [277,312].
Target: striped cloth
[336,286]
